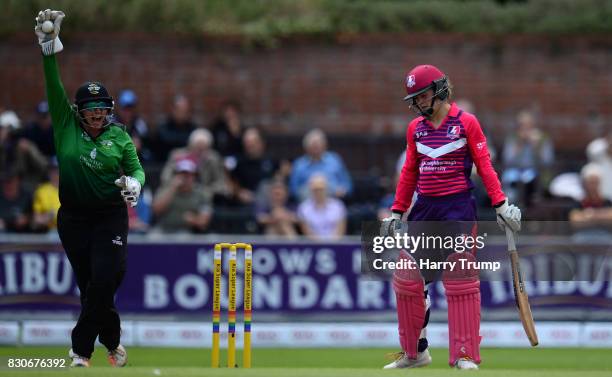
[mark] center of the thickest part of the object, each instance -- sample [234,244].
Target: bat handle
[510,237]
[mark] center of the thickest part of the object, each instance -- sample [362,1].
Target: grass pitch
[350,362]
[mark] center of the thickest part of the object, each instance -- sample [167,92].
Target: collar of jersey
[100,134]
[452,113]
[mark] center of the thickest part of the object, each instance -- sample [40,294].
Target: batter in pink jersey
[443,143]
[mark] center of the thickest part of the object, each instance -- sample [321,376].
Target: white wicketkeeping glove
[509,215]
[49,42]
[130,189]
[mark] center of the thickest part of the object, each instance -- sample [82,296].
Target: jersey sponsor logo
[410,81]
[420,134]
[90,163]
[453,132]
[93,88]
[93,154]
[117,241]
[436,166]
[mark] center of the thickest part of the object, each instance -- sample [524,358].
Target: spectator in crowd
[181,205]
[40,131]
[46,200]
[599,152]
[274,214]
[322,216]
[20,154]
[227,130]
[30,164]
[175,131]
[9,122]
[9,128]
[127,114]
[527,156]
[318,160]
[594,215]
[15,204]
[252,167]
[211,174]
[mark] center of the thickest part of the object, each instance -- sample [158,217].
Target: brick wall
[352,85]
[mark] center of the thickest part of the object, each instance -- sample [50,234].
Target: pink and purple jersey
[439,160]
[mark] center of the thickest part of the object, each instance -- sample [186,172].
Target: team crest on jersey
[410,81]
[93,154]
[106,144]
[93,88]
[453,132]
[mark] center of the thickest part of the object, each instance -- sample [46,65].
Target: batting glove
[508,215]
[390,224]
[49,42]
[130,189]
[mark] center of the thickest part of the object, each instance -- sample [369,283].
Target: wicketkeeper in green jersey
[99,174]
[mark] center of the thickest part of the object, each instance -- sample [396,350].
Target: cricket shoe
[77,360]
[117,357]
[465,363]
[402,361]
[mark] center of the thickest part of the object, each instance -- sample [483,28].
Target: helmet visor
[95,105]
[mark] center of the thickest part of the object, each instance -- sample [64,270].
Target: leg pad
[463,297]
[409,287]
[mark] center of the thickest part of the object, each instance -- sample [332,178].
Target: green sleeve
[131,164]
[59,105]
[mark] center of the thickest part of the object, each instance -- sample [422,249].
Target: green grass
[178,362]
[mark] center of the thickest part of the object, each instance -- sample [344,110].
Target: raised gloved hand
[130,189]
[390,224]
[49,42]
[508,215]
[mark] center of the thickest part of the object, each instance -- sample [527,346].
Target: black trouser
[96,245]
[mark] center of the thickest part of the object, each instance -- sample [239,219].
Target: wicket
[231,310]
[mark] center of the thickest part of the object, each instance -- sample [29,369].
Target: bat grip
[510,237]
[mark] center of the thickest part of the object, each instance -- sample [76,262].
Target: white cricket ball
[47,27]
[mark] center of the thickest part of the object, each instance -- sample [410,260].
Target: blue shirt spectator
[127,114]
[319,161]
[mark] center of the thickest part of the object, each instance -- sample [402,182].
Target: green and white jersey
[88,167]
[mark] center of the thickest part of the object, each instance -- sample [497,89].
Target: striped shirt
[439,160]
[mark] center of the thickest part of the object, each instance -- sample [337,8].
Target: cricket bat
[520,295]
